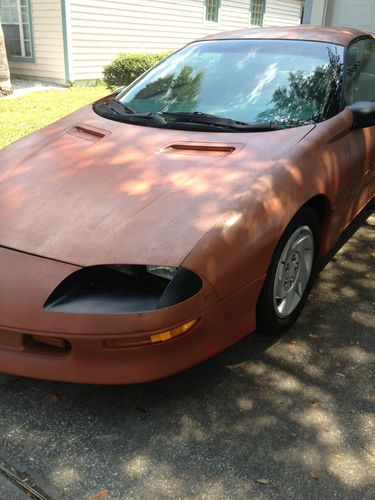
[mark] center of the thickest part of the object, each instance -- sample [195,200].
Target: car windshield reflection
[287,82]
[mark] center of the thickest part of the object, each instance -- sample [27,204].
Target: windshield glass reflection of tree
[307,98]
[284,81]
[179,91]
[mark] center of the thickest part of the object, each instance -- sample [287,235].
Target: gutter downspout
[66,40]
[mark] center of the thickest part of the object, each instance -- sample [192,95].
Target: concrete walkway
[288,418]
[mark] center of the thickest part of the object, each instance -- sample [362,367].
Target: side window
[360,71]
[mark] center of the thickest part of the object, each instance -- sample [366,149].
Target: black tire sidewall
[268,322]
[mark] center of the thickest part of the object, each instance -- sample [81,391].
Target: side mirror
[363,114]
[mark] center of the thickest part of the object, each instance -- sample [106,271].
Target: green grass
[22,115]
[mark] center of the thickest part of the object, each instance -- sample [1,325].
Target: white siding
[101,29]
[352,13]
[48,43]
[283,13]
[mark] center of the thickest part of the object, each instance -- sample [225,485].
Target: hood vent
[202,149]
[87,132]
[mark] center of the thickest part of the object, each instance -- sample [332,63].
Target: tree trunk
[5,85]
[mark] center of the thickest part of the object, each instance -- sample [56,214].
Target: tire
[290,275]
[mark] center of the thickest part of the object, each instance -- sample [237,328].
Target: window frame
[264,6]
[218,9]
[345,76]
[16,58]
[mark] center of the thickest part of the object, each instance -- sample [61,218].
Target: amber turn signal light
[151,339]
[174,332]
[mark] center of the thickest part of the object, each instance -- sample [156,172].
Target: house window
[257,10]
[212,10]
[16,22]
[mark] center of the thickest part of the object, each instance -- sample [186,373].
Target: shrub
[127,67]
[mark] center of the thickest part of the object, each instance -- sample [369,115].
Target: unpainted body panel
[89,191]
[125,198]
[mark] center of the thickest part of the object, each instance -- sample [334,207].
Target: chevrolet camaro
[148,231]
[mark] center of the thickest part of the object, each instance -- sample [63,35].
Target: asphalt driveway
[268,418]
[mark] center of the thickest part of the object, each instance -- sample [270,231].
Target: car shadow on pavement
[289,417]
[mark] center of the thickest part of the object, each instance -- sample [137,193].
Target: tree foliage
[178,92]
[307,98]
[127,67]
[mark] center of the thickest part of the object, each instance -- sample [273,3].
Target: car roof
[340,36]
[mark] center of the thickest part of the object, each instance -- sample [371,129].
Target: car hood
[87,190]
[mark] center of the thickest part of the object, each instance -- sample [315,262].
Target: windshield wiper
[131,115]
[118,106]
[115,110]
[199,117]
[137,117]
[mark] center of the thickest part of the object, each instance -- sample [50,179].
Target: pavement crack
[21,481]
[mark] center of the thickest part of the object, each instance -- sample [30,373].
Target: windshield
[286,82]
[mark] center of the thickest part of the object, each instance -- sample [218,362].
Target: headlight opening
[121,289]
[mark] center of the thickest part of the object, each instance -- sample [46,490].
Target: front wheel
[290,274]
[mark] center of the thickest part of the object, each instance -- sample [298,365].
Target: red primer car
[147,232]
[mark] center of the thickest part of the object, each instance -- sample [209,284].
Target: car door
[360,86]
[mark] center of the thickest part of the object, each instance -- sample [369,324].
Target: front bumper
[27,280]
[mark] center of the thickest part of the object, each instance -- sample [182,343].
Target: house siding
[353,13]
[283,13]
[100,29]
[48,43]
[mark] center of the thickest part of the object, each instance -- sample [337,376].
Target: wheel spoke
[304,274]
[279,290]
[303,244]
[288,302]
